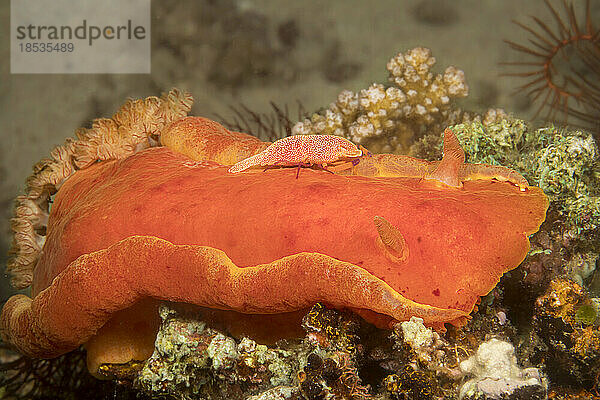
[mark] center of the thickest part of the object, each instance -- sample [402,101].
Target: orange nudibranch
[392,238]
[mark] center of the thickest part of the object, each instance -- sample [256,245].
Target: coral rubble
[192,358]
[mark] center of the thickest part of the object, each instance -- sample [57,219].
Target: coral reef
[411,383]
[277,393]
[386,119]
[333,377]
[427,365]
[497,375]
[564,163]
[424,342]
[331,329]
[567,334]
[191,358]
[567,168]
[420,363]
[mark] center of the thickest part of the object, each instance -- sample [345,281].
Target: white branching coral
[134,127]
[387,118]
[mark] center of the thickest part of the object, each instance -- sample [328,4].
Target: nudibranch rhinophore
[390,238]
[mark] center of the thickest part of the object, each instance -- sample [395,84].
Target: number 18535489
[46,47]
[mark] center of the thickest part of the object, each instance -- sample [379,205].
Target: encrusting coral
[243,242]
[133,128]
[386,119]
[190,357]
[420,362]
[564,163]
[497,375]
[565,325]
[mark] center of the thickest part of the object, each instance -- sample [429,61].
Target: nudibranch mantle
[393,237]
